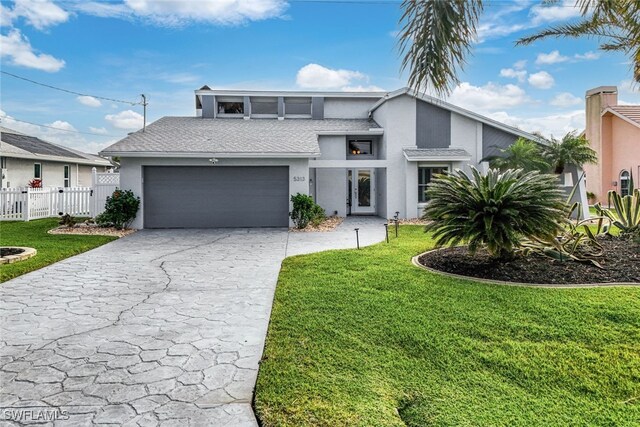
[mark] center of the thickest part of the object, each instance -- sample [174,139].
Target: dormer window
[360,147]
[230,106]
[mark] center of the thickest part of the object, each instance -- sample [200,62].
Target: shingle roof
[436,153]
[234,136]
[632,112]
[36,145]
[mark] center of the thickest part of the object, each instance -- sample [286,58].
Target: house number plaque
[299,178]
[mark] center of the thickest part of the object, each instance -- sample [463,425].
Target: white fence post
[94,198]
[25,206]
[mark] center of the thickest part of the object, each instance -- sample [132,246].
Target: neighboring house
[613,131]
[237,162]
[25,158]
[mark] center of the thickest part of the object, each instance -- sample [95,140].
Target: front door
[363,191]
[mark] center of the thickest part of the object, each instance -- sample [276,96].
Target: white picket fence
[25,204]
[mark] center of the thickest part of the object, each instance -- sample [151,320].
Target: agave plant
[494,211]
[625,214]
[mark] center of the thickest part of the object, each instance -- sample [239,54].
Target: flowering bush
[35,183]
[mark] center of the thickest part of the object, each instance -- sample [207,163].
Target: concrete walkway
[158,328]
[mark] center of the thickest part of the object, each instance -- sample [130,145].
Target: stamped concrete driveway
[158,328]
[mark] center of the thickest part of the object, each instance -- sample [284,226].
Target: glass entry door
[363,191]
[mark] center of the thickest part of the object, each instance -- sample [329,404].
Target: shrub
[120,209]
[305,210]
[318,215]
[625,214]
[35,183]
[494,211]
[67,220]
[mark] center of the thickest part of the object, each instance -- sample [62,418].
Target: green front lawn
[365,338]
[51,247]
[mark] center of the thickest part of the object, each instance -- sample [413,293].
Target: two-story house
[239,159]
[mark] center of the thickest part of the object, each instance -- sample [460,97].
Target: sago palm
[522,154]
[494,211]
[437,35]
[570,150]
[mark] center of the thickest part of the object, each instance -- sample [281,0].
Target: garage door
[216,196]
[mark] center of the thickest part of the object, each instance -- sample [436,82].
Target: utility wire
[64,130]
[68,91]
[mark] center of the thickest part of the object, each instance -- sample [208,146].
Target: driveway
[158,328]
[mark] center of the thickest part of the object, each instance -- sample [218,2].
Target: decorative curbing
[10,259]
[415,261]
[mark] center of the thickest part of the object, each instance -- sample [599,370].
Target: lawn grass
[51,247]
[365,338]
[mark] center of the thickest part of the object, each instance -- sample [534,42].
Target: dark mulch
[621,263]
[10,251]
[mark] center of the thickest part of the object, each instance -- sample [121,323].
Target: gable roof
[17,144]
[628,113]
[463,112]
[197,136]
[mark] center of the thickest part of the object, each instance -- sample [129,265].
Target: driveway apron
[158,328]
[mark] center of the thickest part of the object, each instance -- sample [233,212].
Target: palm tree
[437,35]
[523,154]
[571,150]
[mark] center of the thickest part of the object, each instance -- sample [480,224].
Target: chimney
[598,99]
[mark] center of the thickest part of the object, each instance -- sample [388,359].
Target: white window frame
[445,166]
[66,176]
[40,170]
[625,176]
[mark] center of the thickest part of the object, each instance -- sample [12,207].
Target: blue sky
[166,49]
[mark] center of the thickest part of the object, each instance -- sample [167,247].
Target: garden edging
[415,261]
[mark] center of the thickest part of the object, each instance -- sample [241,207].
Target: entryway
[361,191]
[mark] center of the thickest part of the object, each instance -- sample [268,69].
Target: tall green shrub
[494,211]
[305,210]
[120,209]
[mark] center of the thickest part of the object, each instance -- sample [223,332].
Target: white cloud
[360,88]
[127,119]
[552,57]
[89,101]
[587,56]
[566,9]
[512,73]
[17,48]
[491,30]
[565,99]
[541,80]
[56,136]
[101,131]
[179,78]
[519,65]
[314,76]
[39,13]
[176,13]
[488,97]
[557,124]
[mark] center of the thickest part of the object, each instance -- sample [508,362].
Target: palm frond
[435,40]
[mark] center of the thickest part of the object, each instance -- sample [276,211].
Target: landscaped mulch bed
[328,224]
[621,264]
[95,231]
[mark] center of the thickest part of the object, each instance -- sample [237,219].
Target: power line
[64,130]
[68,91]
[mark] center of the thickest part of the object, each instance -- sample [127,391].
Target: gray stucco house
[238,160]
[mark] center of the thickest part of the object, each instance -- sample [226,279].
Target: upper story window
[230,105]
[359,147]
[297,106]
[264,105]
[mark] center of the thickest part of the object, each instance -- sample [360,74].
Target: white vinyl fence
[24,204]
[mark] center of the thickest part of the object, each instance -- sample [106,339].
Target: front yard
[365,338]
[51,248]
